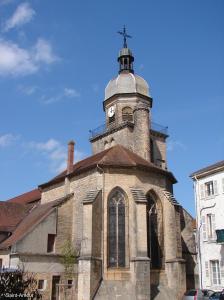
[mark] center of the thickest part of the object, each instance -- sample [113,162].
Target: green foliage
[18,284]
[69,258]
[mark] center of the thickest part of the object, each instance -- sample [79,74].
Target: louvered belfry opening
[116,229]
[127,114]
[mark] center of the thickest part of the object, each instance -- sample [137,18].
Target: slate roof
[11,214]
[28,197]
[33,218]
[114,157]
[212,167]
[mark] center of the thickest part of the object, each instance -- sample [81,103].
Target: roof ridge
[127,152]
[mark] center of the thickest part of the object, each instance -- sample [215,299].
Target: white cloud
[17,61]
[67,93]
[23,14]
[54,152]
[71,93]
[7,139]
[172,145]
[43,52]
[27,90]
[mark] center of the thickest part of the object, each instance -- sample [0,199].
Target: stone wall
[159,149]
[53,192]
[64,224]
[141,137]
[189,249]
[122,136]
[80,185]
[4,256]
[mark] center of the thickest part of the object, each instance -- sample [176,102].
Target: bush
[17,284]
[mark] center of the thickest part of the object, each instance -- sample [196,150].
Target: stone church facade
[132,238]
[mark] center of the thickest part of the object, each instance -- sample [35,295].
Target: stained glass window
[116,230]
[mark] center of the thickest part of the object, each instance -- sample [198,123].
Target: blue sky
[56,58]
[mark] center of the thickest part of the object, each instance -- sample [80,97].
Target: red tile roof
[11,214]
[34,217]
[114,157]
[28,197]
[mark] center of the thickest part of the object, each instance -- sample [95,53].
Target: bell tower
[127,105]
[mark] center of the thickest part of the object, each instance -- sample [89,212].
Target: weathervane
[125,36]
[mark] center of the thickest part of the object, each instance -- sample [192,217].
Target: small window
[50,243]
[0,263]
[211,226]
[215,272]
[127,114]
[70,283]
[41,284]
[209,187]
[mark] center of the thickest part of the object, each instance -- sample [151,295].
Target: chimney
[70,160]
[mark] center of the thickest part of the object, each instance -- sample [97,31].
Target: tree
[69,258]
[17,284]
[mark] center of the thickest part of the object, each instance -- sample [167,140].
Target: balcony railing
[104,128]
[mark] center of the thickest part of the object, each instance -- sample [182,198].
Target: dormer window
[127,114]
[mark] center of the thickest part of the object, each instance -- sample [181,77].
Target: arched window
[154,248]
[116,229]
[127,114]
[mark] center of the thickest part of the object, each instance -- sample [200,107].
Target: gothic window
[116,229]
[154,251]
[127,114]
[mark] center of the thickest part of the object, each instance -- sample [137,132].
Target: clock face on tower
[111,111]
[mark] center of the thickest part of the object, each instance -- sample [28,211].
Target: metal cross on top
[125,35]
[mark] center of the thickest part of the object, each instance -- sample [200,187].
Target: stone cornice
[149,99]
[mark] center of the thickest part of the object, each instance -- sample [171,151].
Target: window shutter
[223,185]
[202,191]
[204,233]
[207,277]
[213,226]
[215,187]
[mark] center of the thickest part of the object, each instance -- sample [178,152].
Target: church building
[133,240]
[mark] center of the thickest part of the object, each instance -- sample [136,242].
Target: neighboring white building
[209,199]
